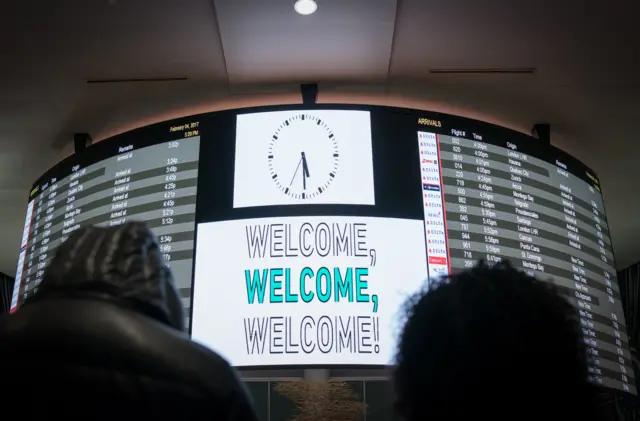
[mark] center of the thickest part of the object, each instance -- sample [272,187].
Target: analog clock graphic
[303,156]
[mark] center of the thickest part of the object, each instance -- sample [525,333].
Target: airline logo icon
[435,231]
[427,137]
[440,251]
[433,204]
[433,178]
[430,170]
[434,260]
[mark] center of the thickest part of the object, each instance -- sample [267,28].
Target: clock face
[303,156]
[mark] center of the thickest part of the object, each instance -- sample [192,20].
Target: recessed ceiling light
[305,7]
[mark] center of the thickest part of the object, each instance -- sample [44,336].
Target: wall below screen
[376,395]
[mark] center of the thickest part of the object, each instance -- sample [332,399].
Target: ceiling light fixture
[305,7]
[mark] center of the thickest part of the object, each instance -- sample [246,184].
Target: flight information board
[486,193]
[156,184]
[485,201]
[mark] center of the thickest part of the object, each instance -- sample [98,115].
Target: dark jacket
[103,338]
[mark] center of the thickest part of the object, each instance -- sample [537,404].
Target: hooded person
[106,329]
[121,264]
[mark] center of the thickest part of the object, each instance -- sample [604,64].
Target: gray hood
[123,262]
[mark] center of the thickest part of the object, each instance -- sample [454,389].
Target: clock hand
[305,170]
[305,167]
[294,174]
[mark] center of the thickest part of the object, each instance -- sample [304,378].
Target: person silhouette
[492,342]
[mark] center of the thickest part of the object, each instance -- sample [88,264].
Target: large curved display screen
[310,226]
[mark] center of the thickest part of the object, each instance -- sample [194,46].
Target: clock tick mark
[332,175]
[271,156]
[275,176]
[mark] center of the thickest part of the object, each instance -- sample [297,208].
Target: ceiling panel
[100,39]
[567,42]
[268,41]
[450,34]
